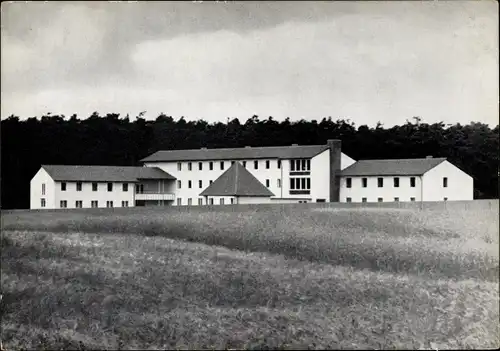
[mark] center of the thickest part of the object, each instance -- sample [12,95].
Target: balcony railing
[150,195]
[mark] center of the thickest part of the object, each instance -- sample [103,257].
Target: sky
[363,61]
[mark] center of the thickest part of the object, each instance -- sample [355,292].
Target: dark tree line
[114,140]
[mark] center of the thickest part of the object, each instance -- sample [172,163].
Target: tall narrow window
[364,182]
[43,189]
[348,199]
[110,186]
[245,164]
[303,183]
[200,166]
[308,183]
[267,164]
[304,164]
[292,183]
[63,203]
[190,166]
[200,183]
[211,166]
[221,201]
[279,164]
[297,183]
[210,182]
[94,186]
[412,182]
[363,199]
[78,186]
[200,201]
[396,182]
[42,202]
[222,165]
[348,182]
[189,184]
[308,165]
[279,183]
[267,183]
[179,166]
[94,204]
[380,182]
[232,201]
[445,182]
[63,186]
[292,165]
[211,201]
[79,204]
[179,201]
[124,203]
[256,164]
[179,184]
[125,186]
[190,201]
[109,204]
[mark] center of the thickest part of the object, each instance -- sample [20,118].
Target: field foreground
[308,278]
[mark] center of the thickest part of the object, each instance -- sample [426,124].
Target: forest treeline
[114,140]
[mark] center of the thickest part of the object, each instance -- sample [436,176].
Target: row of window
[95,186]
[380,182]
[200,183]
[79,204]
[200,201]
[381,199]
[222,165]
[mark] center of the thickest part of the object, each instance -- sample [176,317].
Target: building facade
[285,174]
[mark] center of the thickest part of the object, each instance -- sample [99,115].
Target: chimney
[295,144]
[335,151]
[428,157]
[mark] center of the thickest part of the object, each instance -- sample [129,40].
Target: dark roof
[236,181]
[274,152]
[412,166]
[105,173]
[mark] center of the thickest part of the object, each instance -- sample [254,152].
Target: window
[179,201]
[94,204]
[308,165]
[200,201]
[78,186]
[256,164]
[292,165]
[412,199]
[200,183]
[94,186]
[63,203]
[200,166]
[125,186]
[232,201]
[211,166]
[412,182]
[43,189]
[245,164]
[348,182]
[179,184]
[211,200]
[380,199]
[267,183]
[363,199]
[364,182]
[110,186]
[190,201]
[42,202]
[139,188]
[232,162]
[109,204]
[221,201]
[445,199]
[222,165]
[179,166]
[189,184]
[292,184]
[124,203]
[279,164]
[396,199]
[267,164]
[308,183]
[78,203]
[190,166]
[304,163]
[348,199]
[63,186]
[445,182]
[279,183]
[396,182]
[380,182]
[210,182]
[320,200]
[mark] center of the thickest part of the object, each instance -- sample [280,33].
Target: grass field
[254,279]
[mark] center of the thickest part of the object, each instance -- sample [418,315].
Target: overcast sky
[367,61]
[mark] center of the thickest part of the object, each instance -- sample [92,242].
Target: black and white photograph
[249,175]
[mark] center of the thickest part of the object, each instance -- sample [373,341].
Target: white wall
[42,177]
[388,192]
[101,195]
[253,200]
[460,184]
[345,161]
[320,177]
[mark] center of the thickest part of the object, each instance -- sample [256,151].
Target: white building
[427,179]
[284,174]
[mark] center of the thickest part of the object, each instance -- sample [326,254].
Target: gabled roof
[236,181]
[104,173]
[414,166]
[274,152]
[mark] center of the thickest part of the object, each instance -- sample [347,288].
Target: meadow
[262,278]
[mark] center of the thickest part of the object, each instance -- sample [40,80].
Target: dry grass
[310,279]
